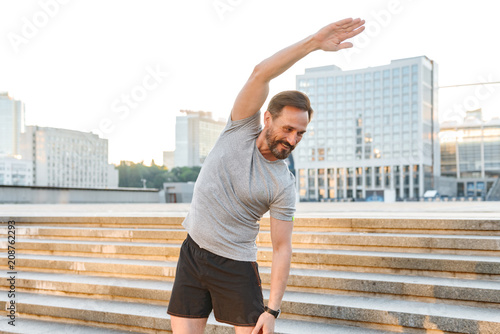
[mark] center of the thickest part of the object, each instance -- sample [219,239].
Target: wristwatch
[274,313]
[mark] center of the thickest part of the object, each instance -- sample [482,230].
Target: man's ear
[267,118]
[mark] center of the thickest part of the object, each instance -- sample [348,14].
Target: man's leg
[190,303]
[188,325]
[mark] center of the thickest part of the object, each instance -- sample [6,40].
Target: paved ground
[346,210]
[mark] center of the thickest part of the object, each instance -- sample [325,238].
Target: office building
[470,153]
[11,124]
[169,159]
[373,133]
[67,158]
[15,171]
[195,135]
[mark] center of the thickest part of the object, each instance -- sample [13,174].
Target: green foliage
[131,174]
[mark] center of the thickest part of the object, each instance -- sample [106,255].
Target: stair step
[407,243]
[421,243]
[114,222]
[110,288]
[141,317]
[95,266]
[441,265]
[407,314]
[129,234]
[165,251]
[34,326]
[482,226]
[420,288]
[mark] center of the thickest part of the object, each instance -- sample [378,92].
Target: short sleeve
[250,124]
[283,207]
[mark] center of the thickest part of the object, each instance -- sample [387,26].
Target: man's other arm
[255,91]
[281,237]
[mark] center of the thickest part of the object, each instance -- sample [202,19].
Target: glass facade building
[373,129]
[67,158]
[195,135]
[470,152]
[15,171]
[11,124]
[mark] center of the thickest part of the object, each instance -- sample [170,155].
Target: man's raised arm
[330,38]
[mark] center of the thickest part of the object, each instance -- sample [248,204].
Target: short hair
[291,98]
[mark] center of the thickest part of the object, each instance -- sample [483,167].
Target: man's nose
[292,139]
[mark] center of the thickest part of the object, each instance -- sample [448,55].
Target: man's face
[285,132]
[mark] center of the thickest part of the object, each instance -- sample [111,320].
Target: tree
[131,174]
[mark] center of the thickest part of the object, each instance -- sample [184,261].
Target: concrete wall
[178,192]
[50,195]
[446,186]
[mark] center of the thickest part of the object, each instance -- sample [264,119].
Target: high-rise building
[15,171]
[169,159]
[11,124]
[195,135]
[67,158]
[470,153]
[374,129]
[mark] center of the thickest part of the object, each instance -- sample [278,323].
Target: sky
[125,68]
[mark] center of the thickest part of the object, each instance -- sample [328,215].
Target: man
[243,177]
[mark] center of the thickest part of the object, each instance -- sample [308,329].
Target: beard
[274,146]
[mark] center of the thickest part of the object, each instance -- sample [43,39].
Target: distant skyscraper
[195,135]
[11,124]
[470,152]
[15,171]
[169,159]
[373,129]
[67,158]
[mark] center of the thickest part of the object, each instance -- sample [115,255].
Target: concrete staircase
[114,275]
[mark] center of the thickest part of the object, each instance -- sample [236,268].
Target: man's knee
[181,325]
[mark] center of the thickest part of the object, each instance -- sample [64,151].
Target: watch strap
[274,313]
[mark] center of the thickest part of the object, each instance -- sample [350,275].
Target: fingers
[257,328]
[353,25]
[343,22]
[349,23]
[331,37]
[358,24]
[345,45]
[355,32]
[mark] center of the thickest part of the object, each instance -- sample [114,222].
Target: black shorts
[204,281]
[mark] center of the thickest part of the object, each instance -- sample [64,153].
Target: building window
[387,174]
[368,176]
[378,177]
[321,183]
[460,189]
[359,176]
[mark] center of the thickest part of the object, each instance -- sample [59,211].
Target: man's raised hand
[332,37]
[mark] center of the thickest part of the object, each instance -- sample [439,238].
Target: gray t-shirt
[235,188]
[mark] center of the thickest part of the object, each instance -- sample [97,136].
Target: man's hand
[332,37]
[265,324]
